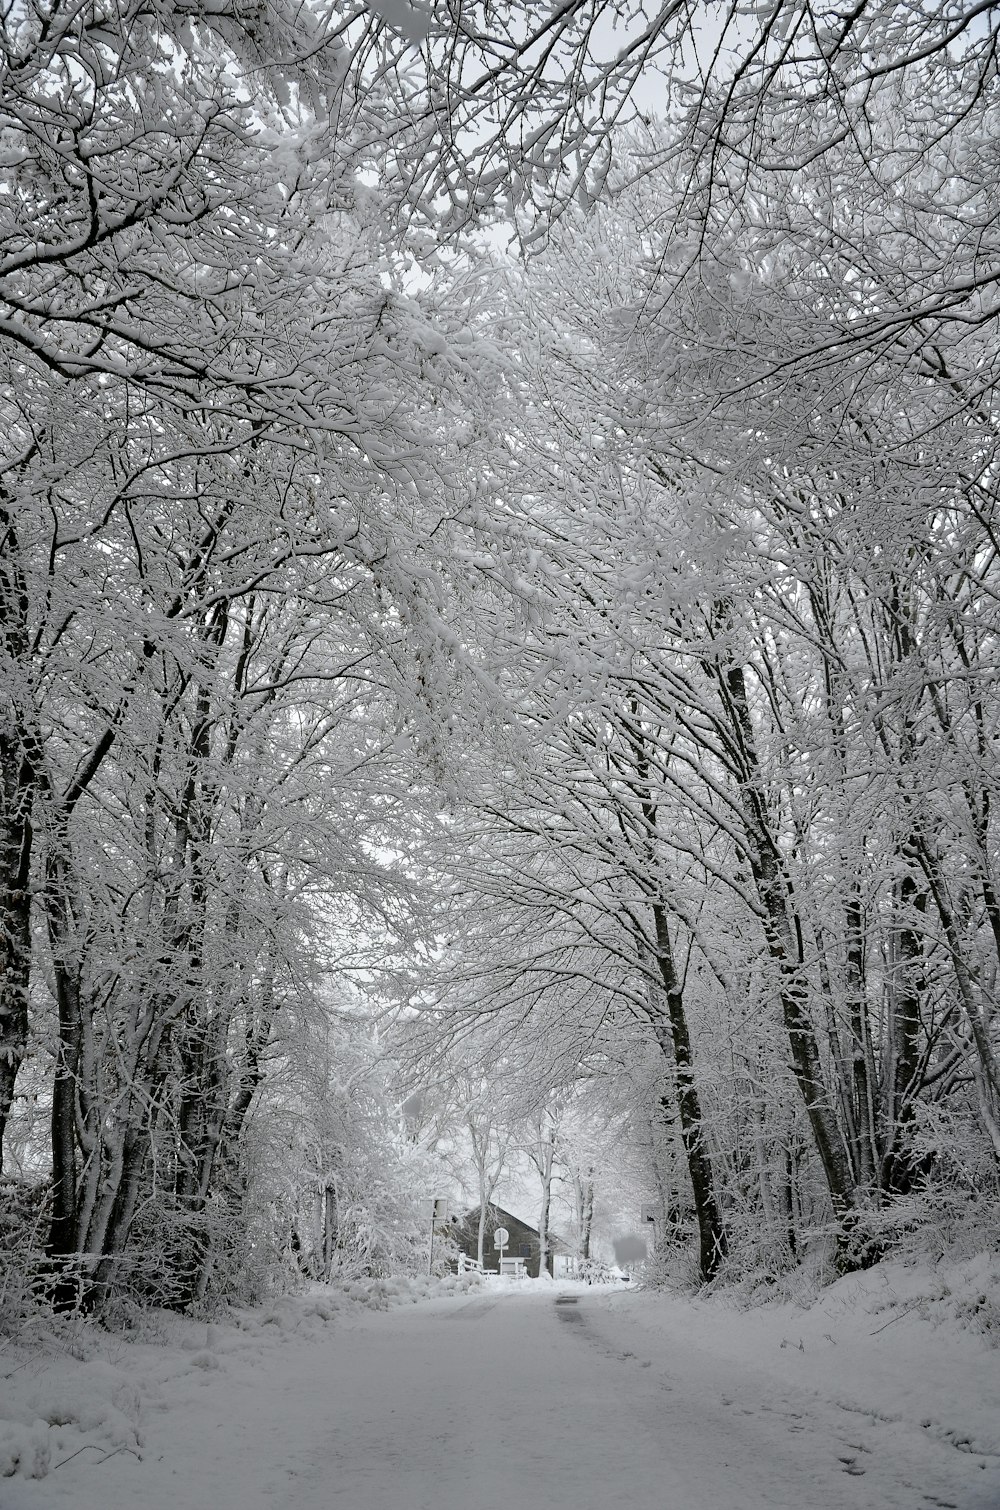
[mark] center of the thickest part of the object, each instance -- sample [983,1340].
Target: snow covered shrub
[671,1266]
[945,1223]
[23,1218]
[336,1189]
[247,1266]
[982,1311]
[953,1212]
[760,1253]
[175,1259]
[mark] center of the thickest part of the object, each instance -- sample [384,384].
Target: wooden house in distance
[524,1242]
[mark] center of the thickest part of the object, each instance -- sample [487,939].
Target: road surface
[547,1400]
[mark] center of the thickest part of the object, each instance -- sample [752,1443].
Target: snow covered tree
[228,442]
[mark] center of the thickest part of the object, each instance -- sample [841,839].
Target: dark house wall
[523,1239]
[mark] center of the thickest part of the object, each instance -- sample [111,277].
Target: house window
[524,1250]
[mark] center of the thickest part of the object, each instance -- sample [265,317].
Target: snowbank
[54,1409]
[904,1351]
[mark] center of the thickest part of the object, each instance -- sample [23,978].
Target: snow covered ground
[878,1396]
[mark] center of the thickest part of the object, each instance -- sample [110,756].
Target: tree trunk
[63,1230]
[673,1037]
[17,798]
[542,1153]
[544,1260]
[135,1148]
[906,989]
[676,1044]
[988,1080]
[788,1202]
[15,925]
[586,1212]
[545,1176]
[66,1089]
[785,948]
[481,1241]
[862,1063]
[760,1155]
[329,1229]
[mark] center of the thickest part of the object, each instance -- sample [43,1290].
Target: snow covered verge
[73,1395]
[900,1363]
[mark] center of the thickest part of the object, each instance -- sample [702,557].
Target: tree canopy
[498,589]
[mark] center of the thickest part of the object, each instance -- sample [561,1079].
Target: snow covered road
[567,1400]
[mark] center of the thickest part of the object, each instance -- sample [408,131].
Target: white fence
[513,1268]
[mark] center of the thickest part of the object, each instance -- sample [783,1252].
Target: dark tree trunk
[329,1229]
[63,1230]
[862,1066]
[135,1150]
[673,1035]
[62,927]
[586,1213]
[785,948]
[17,796]
[675,1040]
[15,927]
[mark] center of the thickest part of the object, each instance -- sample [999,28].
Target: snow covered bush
[336,1191]
[23,1213]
